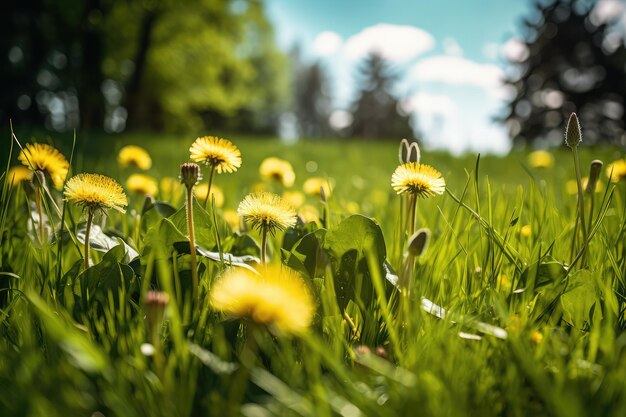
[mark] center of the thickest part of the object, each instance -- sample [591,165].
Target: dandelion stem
[581,204]
[208,193]
[411,214]
[192,239]
[263,245]
[87,233]
[39,213]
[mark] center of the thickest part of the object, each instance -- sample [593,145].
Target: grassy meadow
[513,309]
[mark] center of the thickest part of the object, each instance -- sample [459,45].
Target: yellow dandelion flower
[525,231]
[279,170]
[216,152]
[352,207]
[295,198]
[313,185]
[536,337]
[309,213]
[278,298]
[18,174]
[171,188]
[616,170]
[540,159]
[267,211]
[419,179]
[136,156]
[95,192]
[571,187]
[142,184]
[232,218]
[201,190]
[43,157]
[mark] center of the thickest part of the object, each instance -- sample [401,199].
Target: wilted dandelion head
[279,170]
[136,156]
[267,211]
[540,159]
[95,192]
[43,157]
[18,174]
[616,170]
[316,186]
[142,184]
[278,298]
[216,152]
[419,179]
[201,191]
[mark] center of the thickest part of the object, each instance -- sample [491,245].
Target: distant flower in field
[45,158]
[504,283]
[170,188]
[201,193]
[309,213]
[540,159]
[279,170]
[216,152]
[352,207]
[258,187]
[136,156]
[316,185]
[232,218]
[278,298]
[572,188]
[142,184]
[295,198]
[267,211]
[525,231]
[536,337]
[616,170]
[18,174]
[418,179]
[95,192]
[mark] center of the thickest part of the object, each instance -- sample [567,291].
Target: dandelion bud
[190,174]
[419,242]
[572,133]
[154,304]
[39,179]
[381,352]
[148,203]
[362,350]
[594,176]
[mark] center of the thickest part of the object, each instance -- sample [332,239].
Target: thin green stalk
[192,239]
[208,193]
[411,209]
[87,232]
[239,384]
[39,213]
[263,245]
[581,202]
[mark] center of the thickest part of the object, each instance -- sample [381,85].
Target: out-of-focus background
[457,75]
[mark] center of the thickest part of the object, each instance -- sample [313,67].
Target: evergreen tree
[376,112]
[574,62]
[312,101]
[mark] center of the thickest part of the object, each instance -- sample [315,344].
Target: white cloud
[394,42]
[515,50]
[458,71]
[326,43]
[607,10]
[491,50]
[452,47]
[430,104]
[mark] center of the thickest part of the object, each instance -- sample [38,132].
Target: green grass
[71,340]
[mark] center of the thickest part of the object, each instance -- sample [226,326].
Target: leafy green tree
[376,112]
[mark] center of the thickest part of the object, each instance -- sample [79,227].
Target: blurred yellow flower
[278,298]
[540,159]
[536,337]
[525,231]
[18,174]
[295,198]
[616,170]
[43,157]
[258,187]
[313,185]
[232,218]
[201,191]
[216,152]
[504,283]
[419,179]
[171,189]
[267,211]
[352,207]
[309,213]
[142,184]
[572,188]
[279,170]
[95,192]
[136,156]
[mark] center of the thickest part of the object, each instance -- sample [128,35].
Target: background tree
[574,62]
[376,112]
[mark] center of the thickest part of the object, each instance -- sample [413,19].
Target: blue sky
[449,53]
